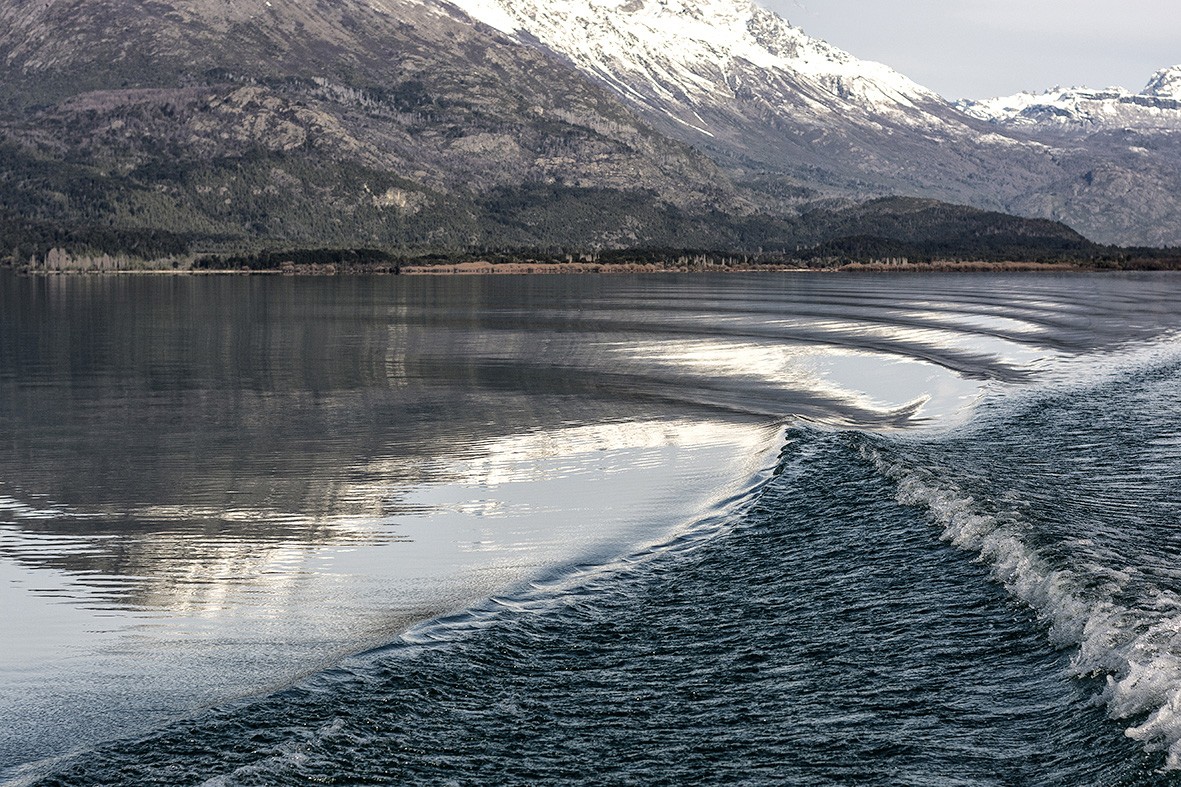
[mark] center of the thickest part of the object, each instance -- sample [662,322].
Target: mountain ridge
[1157,106]
[347,112]
[407,124]
[760,96]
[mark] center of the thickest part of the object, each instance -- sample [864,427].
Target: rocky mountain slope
[391,124]
[1128,144]
[766,100]
[159,125]
[740,82]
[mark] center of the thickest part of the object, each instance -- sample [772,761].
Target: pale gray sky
[986,48]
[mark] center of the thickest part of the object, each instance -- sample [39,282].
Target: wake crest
[1136,648]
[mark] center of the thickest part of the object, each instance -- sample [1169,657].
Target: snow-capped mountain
[1165,84]
[791,113]
[673,53]
[1157,106]
[742,83]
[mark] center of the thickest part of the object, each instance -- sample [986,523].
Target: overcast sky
[986,48]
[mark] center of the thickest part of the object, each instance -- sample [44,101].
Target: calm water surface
[746,528]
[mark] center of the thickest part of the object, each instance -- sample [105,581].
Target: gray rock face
[318,122]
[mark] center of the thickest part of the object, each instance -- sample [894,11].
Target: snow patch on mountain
[1158,106]
[678,52]
[1065,104]
[1165,84]
[490,12]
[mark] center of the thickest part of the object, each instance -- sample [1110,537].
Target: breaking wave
[1068,501]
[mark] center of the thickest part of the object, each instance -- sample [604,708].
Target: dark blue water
[827,635]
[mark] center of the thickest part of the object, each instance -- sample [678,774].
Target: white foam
[1138,649]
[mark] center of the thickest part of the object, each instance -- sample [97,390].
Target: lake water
[809,529]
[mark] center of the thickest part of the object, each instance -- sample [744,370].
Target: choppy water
[793,529]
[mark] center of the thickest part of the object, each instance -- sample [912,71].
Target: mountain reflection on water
[210,486]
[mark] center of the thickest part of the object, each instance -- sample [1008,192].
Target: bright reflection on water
[211,486]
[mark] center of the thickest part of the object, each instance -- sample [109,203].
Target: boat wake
[1069,499]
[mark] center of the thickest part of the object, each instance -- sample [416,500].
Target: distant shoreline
[484,268]
[476,268]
